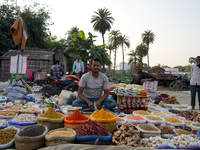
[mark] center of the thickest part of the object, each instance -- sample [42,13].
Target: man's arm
[82,65]
[147,77]
[82,97]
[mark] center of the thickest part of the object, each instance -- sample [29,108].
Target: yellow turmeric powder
[51,113]
[102,114]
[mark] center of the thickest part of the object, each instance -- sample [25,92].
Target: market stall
[143,123]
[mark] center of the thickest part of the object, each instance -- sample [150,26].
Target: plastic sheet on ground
[93,147]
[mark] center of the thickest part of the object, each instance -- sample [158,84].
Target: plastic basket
[20,125]
[91,139]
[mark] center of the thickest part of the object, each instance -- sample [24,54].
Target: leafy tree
[114,40]
[148,37]
[85,47]
[110,47]
[165,66]
[8,15]
[71,32]
[37,21]
[192,60]
[124,42]
[141,50]
[102,21]
[134,58]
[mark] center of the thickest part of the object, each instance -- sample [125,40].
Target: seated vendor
[140,76]
[91,87]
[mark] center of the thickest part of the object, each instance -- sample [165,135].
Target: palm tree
[110,47]
[102,21]
[148,37]
[141,50]
[134,58]
[71,32]
[113,39]
[124,42]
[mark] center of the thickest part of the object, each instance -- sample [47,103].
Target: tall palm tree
[110,47]
[134,58]
[148,37]
[124,42]
[141,50]
[113,39]
[71,32]
[102,21]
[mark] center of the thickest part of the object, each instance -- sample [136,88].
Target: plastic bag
[30,97]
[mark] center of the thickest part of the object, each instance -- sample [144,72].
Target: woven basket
[146,133]
[50,125]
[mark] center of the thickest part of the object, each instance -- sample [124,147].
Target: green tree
[8,15]
[102,21]
[123,42]
[148,37]
[142,51]
[85,47]
[110,47]
[37,21]
[71,32]
[113,39]
[134,58]
[192,60]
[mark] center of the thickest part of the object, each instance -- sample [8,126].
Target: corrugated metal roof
[31,54]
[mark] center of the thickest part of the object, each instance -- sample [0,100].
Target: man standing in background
[78,65]
[56,70]
[195,82]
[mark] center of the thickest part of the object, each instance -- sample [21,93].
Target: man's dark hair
[198,56]
[97,59]
[91,57]
[56,62]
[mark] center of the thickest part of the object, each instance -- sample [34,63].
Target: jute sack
[30,143]
[51,123]
[61,139]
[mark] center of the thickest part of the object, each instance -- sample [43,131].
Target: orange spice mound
[135,117]
[77,116]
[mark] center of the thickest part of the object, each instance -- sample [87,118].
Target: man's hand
[90,105]
[98,104]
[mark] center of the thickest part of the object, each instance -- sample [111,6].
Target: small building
[156,70]
[38,60]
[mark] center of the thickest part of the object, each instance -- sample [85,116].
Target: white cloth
[195,75]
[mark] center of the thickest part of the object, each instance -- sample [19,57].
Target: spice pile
[62,132]
[154,118]
[166,130]
[32,131]
[23,118]
[76,117]
[171,100]
[141,112]
[173,120]
[93,128]
[126,135]
[135,117]
[52,114]
[102,114]
[180,132]
[148,127]
[7,135]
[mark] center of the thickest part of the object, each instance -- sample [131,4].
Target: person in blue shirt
[78,65]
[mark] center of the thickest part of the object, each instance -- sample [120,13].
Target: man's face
[78,57]
[139,68]
[95,67]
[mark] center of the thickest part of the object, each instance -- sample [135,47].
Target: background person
[78,65]
[195,82]
[90,62]
[140,76]
[91,87]
[56,70]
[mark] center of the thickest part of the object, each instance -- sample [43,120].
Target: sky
[175,23]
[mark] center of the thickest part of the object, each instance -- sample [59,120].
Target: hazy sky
[176,24]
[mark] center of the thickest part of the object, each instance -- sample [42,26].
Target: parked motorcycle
[181,82]
[53,86]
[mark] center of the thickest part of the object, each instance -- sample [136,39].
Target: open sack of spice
[105,119]
[93,133]
[76,120]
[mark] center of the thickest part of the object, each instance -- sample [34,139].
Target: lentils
[7,135]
